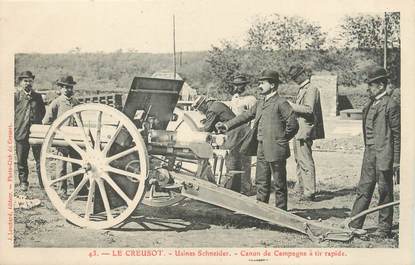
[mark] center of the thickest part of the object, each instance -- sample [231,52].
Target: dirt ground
[195,224]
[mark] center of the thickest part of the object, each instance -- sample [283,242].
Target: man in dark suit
[275,124]
[215,112]
[310,120]
[29,109]
[381,130]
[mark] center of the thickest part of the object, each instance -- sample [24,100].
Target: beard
[68,94]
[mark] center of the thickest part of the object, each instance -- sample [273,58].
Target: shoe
[24,186]
[309,198]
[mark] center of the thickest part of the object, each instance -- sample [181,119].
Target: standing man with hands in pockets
[307,106]
[275,124]
[382,138]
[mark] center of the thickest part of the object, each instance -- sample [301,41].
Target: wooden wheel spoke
[75,173]
[121,154]
[91,194]
[123,172]
[117,189]
[65,158]
[71,143]
[98,135]
[113,137]
[105,199]
[76,191]
[85,134]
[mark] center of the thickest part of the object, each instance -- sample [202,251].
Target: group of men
[277,120]
[30,109]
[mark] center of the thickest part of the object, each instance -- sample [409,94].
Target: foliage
[283,32]
[367,31]
[274,42]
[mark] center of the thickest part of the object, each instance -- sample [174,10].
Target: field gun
[128,157]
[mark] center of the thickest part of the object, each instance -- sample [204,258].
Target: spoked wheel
[98,141]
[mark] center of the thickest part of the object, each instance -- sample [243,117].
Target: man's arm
[51,113]
[211,119]
[242,118]
[307,107]
[291,123]
[394,120]
[42,107]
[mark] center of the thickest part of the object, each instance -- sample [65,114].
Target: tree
[367,31]
[276,32]
[224,64]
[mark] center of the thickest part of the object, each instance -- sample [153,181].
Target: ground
[195,224]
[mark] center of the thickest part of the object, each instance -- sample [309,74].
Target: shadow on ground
[190,215]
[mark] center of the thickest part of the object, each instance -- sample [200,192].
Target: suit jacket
[308,109]
[387,132]
[219,112]
[279,125]
[28,110]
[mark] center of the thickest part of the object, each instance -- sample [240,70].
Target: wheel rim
[98,171]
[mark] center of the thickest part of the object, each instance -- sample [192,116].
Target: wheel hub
[95,164]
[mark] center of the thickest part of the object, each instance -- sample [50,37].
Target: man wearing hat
[381,131]
[310,120]
[57,107]
[274,125]
[29,109]
[215,112]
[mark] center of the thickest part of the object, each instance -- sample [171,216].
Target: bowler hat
[66,81]
[25,74]
[295,71]
[240,80]
[376,73]
[270,75]
[198,102]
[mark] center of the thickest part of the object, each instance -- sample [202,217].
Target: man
[57,107]
[381,131]
[29,109]
[310,120]
[275,124]
[215,112]
[240,103]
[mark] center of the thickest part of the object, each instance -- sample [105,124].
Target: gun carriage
[127,158]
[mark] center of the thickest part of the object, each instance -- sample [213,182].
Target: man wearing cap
[381,131]
[310,120]
[274,125]
[215,112]
[240,103]
[29,109]
[57,107]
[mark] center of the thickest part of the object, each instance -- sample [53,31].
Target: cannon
[126,158]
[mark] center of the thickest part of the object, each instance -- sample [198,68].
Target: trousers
[264,171]
[61,167]
[370,176]
[22,153]
[306,172]
[233,162]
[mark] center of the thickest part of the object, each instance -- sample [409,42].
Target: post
[385,44]
[174,48]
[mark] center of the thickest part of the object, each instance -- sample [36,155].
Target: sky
[146,26]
